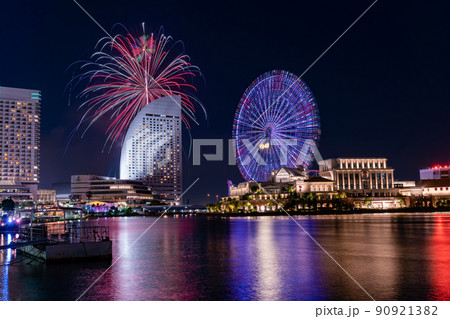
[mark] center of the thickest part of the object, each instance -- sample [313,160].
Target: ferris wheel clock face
[276,124]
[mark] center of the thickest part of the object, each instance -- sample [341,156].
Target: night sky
[382,90]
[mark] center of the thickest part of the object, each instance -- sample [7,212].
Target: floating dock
[56,242]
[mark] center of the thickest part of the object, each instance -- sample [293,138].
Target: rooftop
[355,158]
[318,179]
[437,167]
[299,171]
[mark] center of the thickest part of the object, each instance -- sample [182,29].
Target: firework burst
[128,72]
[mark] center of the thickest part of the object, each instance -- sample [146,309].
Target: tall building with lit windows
[20,111]
[152,149]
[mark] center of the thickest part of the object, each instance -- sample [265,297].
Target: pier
[57,242]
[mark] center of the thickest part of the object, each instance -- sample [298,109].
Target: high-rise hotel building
[20,111]
[152,149]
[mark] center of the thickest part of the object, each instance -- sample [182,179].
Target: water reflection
[267,263]
[440,259]
[393,256]
[5,260]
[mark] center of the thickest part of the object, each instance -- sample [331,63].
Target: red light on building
[440,166]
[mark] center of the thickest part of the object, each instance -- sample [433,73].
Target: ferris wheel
[276,124]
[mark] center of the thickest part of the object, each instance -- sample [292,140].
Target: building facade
[152,149]
[319,185]
[359,176]
[436,187]
[46,196]
[289,174]
[236,191]
[435,182]
[17,191]
[109,189]
[435,172]
[357,182]
[119,190]
[80,185]
[20,111]
[283,181]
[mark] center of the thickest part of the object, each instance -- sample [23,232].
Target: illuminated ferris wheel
[276,124]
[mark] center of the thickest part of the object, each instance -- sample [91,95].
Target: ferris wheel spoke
[288,111]
[249,120]
[287,118]
[273,104]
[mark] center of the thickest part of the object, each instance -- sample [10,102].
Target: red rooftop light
[439,166]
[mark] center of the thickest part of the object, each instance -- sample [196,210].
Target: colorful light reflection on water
[5,259]
[393,256]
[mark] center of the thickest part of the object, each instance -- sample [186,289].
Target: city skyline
[382,107]
[226,151]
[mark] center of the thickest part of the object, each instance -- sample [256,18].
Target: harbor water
[392,256]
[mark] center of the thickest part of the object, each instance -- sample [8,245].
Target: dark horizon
[382,89]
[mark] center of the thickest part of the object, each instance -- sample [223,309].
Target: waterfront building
[80,185]
[119,190]
[404,184]
[17,191]
[283,181]
[151,151]
[289,174]
[436,187]
[359,176]
[318,185]
[409,191]
[357,182]
[279,179]
[237,191]
[435,182]
[20,111]
[46,196]
[362,182]
[435,172]
[367,182]
[109,189]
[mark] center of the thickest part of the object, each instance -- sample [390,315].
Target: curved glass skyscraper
[152,148]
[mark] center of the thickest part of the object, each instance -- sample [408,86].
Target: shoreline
[276,213]
[327,212]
